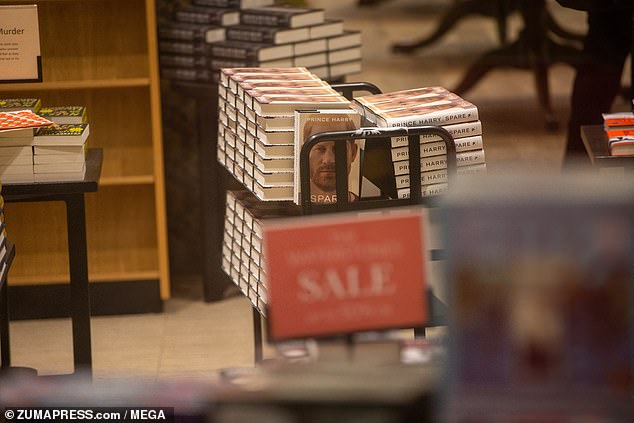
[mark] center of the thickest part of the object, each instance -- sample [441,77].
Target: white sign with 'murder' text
[19,44]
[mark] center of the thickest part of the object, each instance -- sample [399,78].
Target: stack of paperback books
[420,107]
[3,240]
[619,129]
[214,34]
[47,146]
[18,124]
[16,154]
[59,152]
[256,124]
[242,245]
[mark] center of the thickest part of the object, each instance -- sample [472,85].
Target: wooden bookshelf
[101,54]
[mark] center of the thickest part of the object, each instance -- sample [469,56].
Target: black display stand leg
[79,288]
[257,336]
[211,196]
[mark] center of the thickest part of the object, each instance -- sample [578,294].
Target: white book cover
[322,160]
[18,150]
[59,149]
[60,176]
[18,159]
[18,169]
[58,167]
[59,158]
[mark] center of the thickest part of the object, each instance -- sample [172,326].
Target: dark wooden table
[72,194]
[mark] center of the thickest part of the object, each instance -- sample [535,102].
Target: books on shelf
[327,28]
[322,171]
[234,4]
[303,48]
[242,257]
[418,107]
[344,40]
[67,134]
[286,104]
[259,52]
[207,15]
[64,114]
[190,32]
[270,35]
[284,17]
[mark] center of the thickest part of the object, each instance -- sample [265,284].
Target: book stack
[619,130]
[421,107]
[256,124]
[59,152]
[16,155]
[242,244]
[214,34]
[3,240]
[16,152]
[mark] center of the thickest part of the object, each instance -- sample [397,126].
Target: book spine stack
[619,130]
[16,151]
[59,152]
[205,37]
[4,267]
[256,124]
[420,107]
[242,243]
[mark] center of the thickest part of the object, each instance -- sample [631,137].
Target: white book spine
[436,148]
[465,158]
[437,118]
[458,130]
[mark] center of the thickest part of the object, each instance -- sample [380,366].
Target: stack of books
[17,132]
[16,155]
[3,240]
[59,152]
[242,244]
[47,146]
[619,130]
[420,107]
[256,124]
[214,34]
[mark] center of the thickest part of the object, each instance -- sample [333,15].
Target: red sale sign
[341,273]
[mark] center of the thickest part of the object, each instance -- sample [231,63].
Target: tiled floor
[194,339]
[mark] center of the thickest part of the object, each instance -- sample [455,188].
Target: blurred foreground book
[540,270]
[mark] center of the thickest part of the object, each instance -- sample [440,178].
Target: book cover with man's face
[322,164]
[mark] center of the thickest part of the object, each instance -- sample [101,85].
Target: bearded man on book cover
[323,177]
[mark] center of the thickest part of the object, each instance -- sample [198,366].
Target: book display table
[72,194]
[242,252]
[596,143]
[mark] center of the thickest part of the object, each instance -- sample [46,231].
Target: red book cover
[22,119]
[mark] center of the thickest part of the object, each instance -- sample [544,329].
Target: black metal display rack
[342,204]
